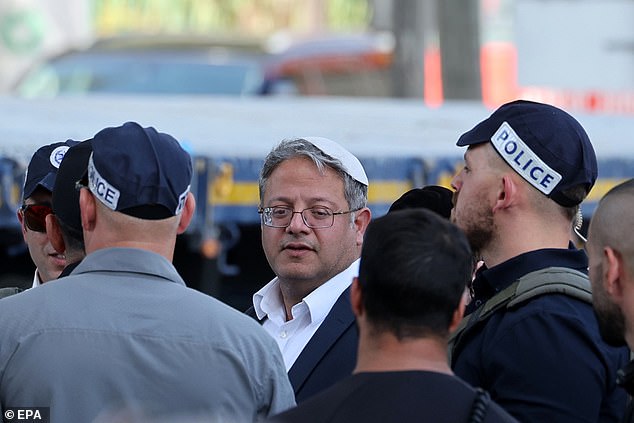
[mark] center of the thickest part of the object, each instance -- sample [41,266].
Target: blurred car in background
[346,65]
[336,65]
[151,65]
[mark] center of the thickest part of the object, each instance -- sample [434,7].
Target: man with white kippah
[530,336]
[122,334]
[313,197]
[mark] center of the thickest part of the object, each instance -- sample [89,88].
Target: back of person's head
[322,152]
[414,268]
[432,197]
[610,248]
[613,220]
[139,190]
[546,146]
[139,172]
[66,196]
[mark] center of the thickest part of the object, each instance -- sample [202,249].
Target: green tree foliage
[249,17]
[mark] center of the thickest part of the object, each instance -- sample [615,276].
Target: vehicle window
[142,76]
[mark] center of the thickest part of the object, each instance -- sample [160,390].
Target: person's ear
[356,298]
[507,193]
[54,233]
[88,210]
[361,221]
[613,275]
[187,214]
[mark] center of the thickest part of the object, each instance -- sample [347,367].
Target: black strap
[480,406]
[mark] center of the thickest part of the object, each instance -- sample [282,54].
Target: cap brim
[474,136]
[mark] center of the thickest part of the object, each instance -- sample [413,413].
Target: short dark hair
[414,268]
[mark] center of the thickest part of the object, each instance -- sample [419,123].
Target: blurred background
[395,81]
[575,53]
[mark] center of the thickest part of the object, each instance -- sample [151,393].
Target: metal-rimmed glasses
[317,217]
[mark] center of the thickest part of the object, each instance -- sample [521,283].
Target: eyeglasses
[35,216]
[314,217]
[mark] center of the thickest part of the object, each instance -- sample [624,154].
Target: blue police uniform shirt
[543,360]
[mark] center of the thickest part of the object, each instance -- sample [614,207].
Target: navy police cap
[43,167]
[139,171]
[543,144]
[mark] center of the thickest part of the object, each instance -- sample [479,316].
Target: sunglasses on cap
[35,216]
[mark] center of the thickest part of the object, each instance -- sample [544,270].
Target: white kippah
[350,163]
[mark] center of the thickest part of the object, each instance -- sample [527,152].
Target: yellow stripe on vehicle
[246,193]
[602,186]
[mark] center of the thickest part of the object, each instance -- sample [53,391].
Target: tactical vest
[551,280]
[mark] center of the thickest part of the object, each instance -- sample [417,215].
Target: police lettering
[105,192]
[100,187]
[524,160]
[526,164]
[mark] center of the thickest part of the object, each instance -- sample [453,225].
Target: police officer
[531,338]
[36,205]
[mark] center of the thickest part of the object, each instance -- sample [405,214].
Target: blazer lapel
[333,326]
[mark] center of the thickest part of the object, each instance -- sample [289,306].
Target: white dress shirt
[292,336]
[36,280]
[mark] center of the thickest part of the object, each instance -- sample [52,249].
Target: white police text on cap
[523,160]
[101,188]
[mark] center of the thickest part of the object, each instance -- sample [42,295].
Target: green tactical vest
[551,280]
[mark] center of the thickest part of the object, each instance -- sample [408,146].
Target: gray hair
[355,192]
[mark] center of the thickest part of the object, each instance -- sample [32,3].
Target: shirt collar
[268,300]
[36,280]
[129,260]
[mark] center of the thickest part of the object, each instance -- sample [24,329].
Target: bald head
[613,220]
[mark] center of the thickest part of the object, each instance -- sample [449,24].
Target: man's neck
[384,352]
[518,237]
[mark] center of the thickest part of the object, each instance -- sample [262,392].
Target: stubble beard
[478,225]
[609,317]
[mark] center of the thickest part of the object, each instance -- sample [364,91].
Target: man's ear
[356,298]
[361,221]
[507,194]
[54,234]
[187,214]
[613,273]
[88,210]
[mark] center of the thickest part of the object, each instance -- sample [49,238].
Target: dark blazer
[330,355]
